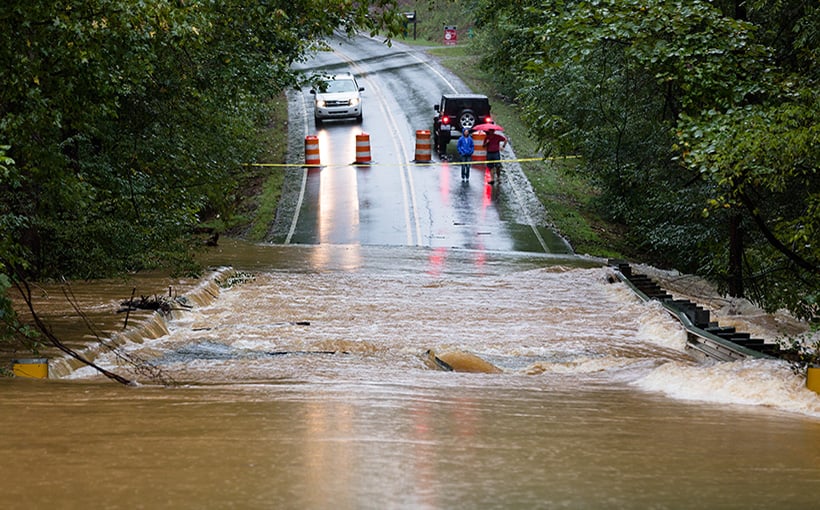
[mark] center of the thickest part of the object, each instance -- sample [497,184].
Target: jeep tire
[467,119]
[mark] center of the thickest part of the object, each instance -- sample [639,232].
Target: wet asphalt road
[394,201]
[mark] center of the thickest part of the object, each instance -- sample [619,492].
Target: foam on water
[551,324]
[657,327]
[751,382]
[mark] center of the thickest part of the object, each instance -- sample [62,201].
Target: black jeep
[456,112]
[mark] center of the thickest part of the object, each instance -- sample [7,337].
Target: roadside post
[34,368]
[411,18]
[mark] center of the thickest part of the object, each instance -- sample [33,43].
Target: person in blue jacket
[465,148]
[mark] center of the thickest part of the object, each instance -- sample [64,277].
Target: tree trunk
[735,256]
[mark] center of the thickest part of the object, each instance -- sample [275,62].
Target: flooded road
[394,200]
[306,384]
[307,387]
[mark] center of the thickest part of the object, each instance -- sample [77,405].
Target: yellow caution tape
[411,163]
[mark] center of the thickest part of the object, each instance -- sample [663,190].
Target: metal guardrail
[703,343]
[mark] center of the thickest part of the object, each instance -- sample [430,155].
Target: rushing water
[306,387]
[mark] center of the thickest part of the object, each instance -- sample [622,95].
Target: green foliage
[129,122]
[6,310]
[5,161]
[10,258]
[804,351]
[762,159]
[125,124]
[680,107]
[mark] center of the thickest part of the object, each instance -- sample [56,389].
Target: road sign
[450,34]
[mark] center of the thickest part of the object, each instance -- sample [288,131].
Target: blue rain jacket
[465,145]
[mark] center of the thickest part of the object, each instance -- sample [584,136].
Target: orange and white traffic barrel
[362,149]
[423,153]
[312,150]
[480,151]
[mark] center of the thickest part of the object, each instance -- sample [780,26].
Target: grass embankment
[262,185]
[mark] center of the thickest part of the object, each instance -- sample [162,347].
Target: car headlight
[355,101]
[320,103]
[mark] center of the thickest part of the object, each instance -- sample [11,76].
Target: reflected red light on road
[444,183]
[480,258]
[437,258]
[488,190]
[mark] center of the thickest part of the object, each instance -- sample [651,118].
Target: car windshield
[341,86]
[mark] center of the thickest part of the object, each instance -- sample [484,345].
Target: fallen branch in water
[25,291]
[139,365]
[157,304]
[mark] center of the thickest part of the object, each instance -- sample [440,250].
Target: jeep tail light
[488,119]
[445,120]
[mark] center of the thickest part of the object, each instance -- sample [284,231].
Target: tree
[128,122]
[680,107]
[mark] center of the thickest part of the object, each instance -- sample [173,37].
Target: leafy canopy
[696,120]
[123,124]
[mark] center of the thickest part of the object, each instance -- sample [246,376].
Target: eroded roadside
[90,318]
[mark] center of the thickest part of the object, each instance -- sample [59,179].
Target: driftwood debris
[156,303]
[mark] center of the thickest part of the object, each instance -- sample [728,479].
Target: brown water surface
[307,387]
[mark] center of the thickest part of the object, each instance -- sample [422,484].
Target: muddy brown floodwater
[306,386]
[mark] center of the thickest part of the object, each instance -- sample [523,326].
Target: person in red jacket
[495,143]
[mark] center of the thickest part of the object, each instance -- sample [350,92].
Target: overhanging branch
[773,240]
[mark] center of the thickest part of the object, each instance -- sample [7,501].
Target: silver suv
[337,98]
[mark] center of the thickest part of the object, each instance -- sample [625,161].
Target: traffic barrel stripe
[312,150]
[480,151]
[362,149]
[423,153]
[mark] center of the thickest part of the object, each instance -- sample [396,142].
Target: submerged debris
[237,278]
[156,303]
[460,361]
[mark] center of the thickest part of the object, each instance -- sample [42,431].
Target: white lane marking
[427,64]
[304,178]
[411,218]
